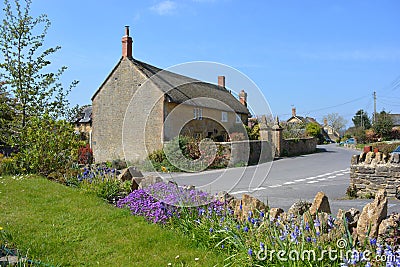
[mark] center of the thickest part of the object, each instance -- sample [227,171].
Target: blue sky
[319,56]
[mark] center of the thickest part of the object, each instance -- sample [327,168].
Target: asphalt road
[282,182]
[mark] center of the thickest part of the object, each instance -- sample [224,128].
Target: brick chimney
[221,81]
[243,98]
[127,44]
[293,112]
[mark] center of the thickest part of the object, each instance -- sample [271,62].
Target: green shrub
[386,148]
[104,185]
[47,146]
[8,165]
[351,191]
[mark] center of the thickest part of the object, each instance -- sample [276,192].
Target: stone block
[355,160]
[320,204]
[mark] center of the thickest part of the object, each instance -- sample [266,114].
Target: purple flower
[317,223]
[250,252]
[372,241]
[246,229]
[211,230]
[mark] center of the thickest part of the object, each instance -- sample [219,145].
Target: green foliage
[313,129]
[359,134]
[107,187]
[47,146]
[8,165]
[254,132]
[66,227]
[386,148]
[383,125]
[185,154]
[294,130]
[361,119]
[23,62]
[7,114]
[351,191]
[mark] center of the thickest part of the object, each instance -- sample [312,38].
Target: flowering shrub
[102,181]
[85,155]
[161,201]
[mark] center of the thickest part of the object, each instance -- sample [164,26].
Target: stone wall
[247,152]
[371,171]
[293,147]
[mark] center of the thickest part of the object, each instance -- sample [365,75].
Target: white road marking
[321,175]
[300,180]
[332,176]
[312,182]
[273,186]
[310,178]
[322,179]
[258,189]
[340,174]
[289,183]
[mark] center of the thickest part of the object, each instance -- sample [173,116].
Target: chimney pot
[127,30]
[293,112]
[243,97]
[221,81]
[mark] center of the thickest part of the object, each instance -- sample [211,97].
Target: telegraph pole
[374,120]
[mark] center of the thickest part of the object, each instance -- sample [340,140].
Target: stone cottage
[139,107]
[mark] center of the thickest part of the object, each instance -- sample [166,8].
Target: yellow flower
[1,228]
[164,169]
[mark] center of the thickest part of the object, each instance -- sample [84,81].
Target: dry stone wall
[370,172]
[293,147]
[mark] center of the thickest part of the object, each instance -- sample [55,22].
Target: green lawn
[64,226]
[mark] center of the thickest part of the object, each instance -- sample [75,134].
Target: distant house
[139,107]
[83,123]
[332,133]
[395,119]
[295,119]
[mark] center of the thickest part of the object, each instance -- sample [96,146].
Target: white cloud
[166,7]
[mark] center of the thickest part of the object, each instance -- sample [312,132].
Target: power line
[338,105]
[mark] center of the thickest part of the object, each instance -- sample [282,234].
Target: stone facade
[132,110]
[370,172]
[109,106]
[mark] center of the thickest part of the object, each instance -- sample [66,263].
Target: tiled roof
[180,89]
[86,115]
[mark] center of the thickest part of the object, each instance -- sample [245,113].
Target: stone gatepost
[277,138]
[265,130]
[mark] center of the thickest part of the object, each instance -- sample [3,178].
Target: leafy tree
[313,129]
[336,121]
[383,125]
[7,114]
[361,119]
[23,61]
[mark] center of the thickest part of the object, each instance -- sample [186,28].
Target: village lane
[286,180]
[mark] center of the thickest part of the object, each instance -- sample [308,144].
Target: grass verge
[63,226]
